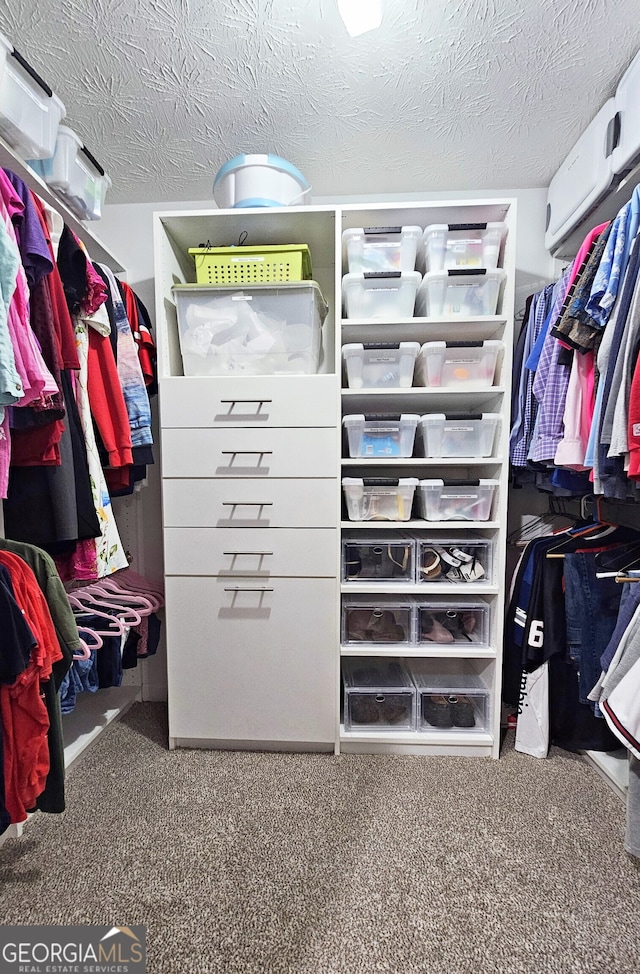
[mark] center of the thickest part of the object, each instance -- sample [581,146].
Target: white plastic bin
[381,435]
[75,175]
[458,434]
[453,560]
[450,697]
[456,500]
[379,365]
[380,296]
[468,365]
[367,249]
[379,695]
[380,498]
[459,293]
[463,245]
[258,330]
[30,113]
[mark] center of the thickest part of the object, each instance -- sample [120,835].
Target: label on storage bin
[247,260]
[457,497]
[460,361]
[382,358]
[242,297]
[458,429]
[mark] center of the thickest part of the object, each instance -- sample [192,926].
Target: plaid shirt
[520,439]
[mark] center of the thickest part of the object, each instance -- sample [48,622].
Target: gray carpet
[310,864]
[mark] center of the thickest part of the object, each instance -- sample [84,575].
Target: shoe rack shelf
[483,741]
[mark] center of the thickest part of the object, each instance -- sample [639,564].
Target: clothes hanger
[85,652]
[97,640]
[116,626]
[612,563]
[110,587]
[126,614]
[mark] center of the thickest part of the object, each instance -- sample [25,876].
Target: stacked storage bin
[422,428]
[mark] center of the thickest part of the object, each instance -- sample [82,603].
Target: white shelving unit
[422,400]
[275,682]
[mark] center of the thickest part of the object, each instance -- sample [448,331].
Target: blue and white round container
[260,180]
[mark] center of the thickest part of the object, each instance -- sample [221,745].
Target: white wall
[128,230]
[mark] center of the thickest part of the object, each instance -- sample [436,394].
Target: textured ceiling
[448,94]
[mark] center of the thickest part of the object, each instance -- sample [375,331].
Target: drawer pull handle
[245,522]
[256,470]
[237,588]
[239,609]
[245,417]
[237,554]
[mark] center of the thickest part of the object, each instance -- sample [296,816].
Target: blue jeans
[591,607]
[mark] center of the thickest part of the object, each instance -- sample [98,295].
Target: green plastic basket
[222,266]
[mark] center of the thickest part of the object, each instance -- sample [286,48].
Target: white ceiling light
[359,16]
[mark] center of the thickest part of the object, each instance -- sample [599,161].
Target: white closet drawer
[250,453]
[251,662]
[227,553]
[251,503]
[250,401]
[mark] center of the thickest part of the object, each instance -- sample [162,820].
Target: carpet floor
[240,863]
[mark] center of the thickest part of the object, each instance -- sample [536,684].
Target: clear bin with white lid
[452,697]
[468,365]
[459,293]
[457,434]
[463,245]
[367,619]
[368,559]
[451,623]
[379,498]
[380,296]
[30,112]
[75,175]
[454,560]
[381,434]
[456,500]
[379,695]
[253,330]
[367,249]
[380,365]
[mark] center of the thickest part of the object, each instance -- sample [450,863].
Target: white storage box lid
[464,245]
[627,119]
[460,293]
[380,248]
[30,112]
[75,175]
[380,364]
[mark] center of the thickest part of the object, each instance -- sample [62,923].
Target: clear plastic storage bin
[379,498]
[381,435]
[368,249]
[384,296]
[456,500]
[471,365]
[453,560]
[450,696]
[372,560]
[259,330]
[379,695]
[75,176]
[457,434]
[459,293]
[379,365]
[30,113]
[452,624]
[365,620]
[463,245]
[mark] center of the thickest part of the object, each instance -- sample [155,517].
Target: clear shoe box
[381,435]
[463,245]
[370,249]
[379,694]
[457,434]
[459,293]
[380,297]
[379,498]
[380,365]
[448,365]
[449,624]
[366,621]
[454,561]
[456,500]
[369,560]
[451,697]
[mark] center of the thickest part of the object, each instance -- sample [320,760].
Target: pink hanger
[124,613]
[94,635]
[116,626]
[85,652]
[113,593]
